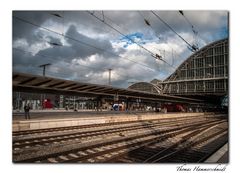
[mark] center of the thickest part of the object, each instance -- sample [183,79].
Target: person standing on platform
[26,111]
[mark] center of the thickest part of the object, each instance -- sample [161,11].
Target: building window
[226,59]
[209,86]
[226,70]
[182,87]
[209,72]
[199,73]
[183,74]
[190,74]
[199,62]
[219,60]
[219,50]
[226,48]
[190,87]
[199,86]
[219,85]
[209,62]
[210,52]
[173,88]
[219,71]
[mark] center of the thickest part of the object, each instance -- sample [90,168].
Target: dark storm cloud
[72,50]
[82,49]
[28,31]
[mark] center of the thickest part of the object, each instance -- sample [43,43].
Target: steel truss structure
[204,72]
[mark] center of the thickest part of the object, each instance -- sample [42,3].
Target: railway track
[77,135]
[29,141]
[72,128]
[192,148]
[121,142]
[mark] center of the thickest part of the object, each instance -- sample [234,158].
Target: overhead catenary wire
[156,56]
[193,48]
[147,22]
[188,21]
[111,20]
[62,17]
[195,32]
[81,42]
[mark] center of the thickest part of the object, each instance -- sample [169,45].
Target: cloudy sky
[81,47]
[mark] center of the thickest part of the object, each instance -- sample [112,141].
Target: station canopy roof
[39,84]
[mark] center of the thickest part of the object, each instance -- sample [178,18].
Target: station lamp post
[109,77]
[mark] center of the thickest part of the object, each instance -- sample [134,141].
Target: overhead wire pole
[81,42]
[44,67]
[191,47]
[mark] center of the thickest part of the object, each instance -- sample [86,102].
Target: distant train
[173,107]
[177,107]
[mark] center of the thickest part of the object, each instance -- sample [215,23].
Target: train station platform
[54,119]
[220,156]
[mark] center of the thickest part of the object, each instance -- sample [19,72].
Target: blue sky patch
[136,37]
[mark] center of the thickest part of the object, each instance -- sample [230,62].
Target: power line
[122,27]
[193,48]
[147,22]
[156,56]
[81,42]
[195,33]
[62,17]
[181,12]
